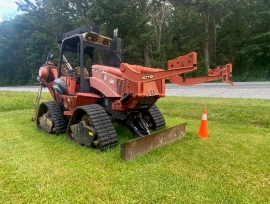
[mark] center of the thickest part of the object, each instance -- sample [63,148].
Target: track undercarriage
[50,118]
[91,126]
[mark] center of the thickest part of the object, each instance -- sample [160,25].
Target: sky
[7,7]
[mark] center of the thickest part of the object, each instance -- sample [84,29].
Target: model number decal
[97,70]
[151,76]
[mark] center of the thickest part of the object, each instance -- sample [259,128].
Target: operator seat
[60,86]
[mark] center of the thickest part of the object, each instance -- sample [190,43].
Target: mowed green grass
[231,166]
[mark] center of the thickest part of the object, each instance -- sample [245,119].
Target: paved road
[222,90]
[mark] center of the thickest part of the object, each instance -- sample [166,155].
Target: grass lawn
[231,166]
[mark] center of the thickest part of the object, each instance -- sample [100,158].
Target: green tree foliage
[154,31]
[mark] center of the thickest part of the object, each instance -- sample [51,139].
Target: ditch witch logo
[151,76]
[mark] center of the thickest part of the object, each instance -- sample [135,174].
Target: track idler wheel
[91,126]
[50,118]
[154,118]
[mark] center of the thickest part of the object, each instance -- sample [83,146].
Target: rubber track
[56,112]
[102,124]
[157,117]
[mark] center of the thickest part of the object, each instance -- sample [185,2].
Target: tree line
[154,31]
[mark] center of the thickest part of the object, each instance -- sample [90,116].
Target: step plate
[148,143]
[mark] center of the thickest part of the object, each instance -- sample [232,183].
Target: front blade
[147,143]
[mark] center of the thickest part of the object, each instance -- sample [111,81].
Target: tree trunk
[206,41]
[146,57]
[99,58]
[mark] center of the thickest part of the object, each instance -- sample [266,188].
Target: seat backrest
[85,72]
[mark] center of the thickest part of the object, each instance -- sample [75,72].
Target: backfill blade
[148,143]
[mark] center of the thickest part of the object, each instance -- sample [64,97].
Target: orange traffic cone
[203,130]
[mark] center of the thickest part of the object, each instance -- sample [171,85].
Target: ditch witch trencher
[88,98]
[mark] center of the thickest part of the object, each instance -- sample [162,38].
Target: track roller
[91,126]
